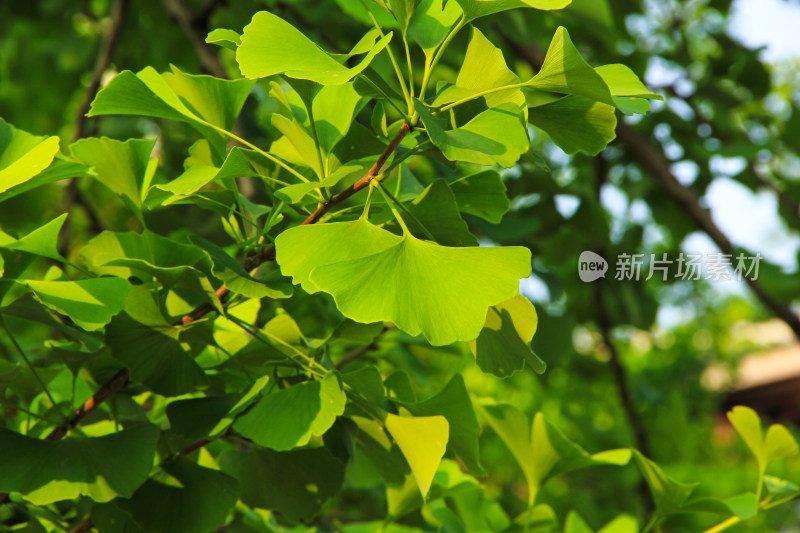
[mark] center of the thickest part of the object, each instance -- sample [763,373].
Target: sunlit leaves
[480,8]
[288,418]
[123,167]
[566,72]
[542,451]
[778,442]
[629,93]
[270,45]
[484,68]
[208,103]
[423,441]
[495,136]
[42,241]
[101,468]
[421,287]
[669,495]
[90,303]
[22,155]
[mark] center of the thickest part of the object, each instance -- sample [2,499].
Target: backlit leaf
[577,124]
[270,46]
[22,155]
[90,303]
[480,8]
[483,195]
[423,441]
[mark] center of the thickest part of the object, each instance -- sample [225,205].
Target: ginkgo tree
[208,404]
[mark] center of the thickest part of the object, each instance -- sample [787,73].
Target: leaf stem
[480,94]
[389,196]
[27,361]
[395,65]
[437,55]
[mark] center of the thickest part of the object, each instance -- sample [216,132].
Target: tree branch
[657,165]
[189,24]
[361,350]
[267,253]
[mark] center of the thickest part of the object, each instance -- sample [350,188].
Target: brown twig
[84,526]
[190,23]
[73,194]
[361,350]
[267,253]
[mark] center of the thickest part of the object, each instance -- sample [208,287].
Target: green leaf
[402,11]
[289,417]
[101,468]
[270,46]
[141,254]
[42,241]
[495,136]
[777,444]
[566,72]
[503,346]
[744,506]
[367,382]
[423,441]
[483,195]
[296,483]
[542,452]
[120,166]
[430,23]
[628,92]
[780,487]
[147,344]
[205,102]
[669,495]
[225,38]
[412,283]
[182,498]
[195,418]
[198,176]
[62,168]
[621,524]
[484,68]
[334,108]
[480,8]
[436,209]
[234,276]
[22,155]
[453,403]
[90,303]
[577,124]
[575,524]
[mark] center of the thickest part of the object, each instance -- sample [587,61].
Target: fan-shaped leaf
[423,441]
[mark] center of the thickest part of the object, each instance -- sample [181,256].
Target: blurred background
[714,169]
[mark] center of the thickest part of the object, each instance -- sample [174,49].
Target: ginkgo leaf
[22,155]
[439,291]
[101,468]
[42,241]
[566,72]
[302,248]
[778,442]
[90,303]
[224,37]
[197,176]
[288,418]
[577,124]
[483,195]
[333,109]
[120,166]
[484,68]
[423,441]
[205,102]
[628,92]
[480,8]
[495,136]
[430,23]
[270,46]
[503,345]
